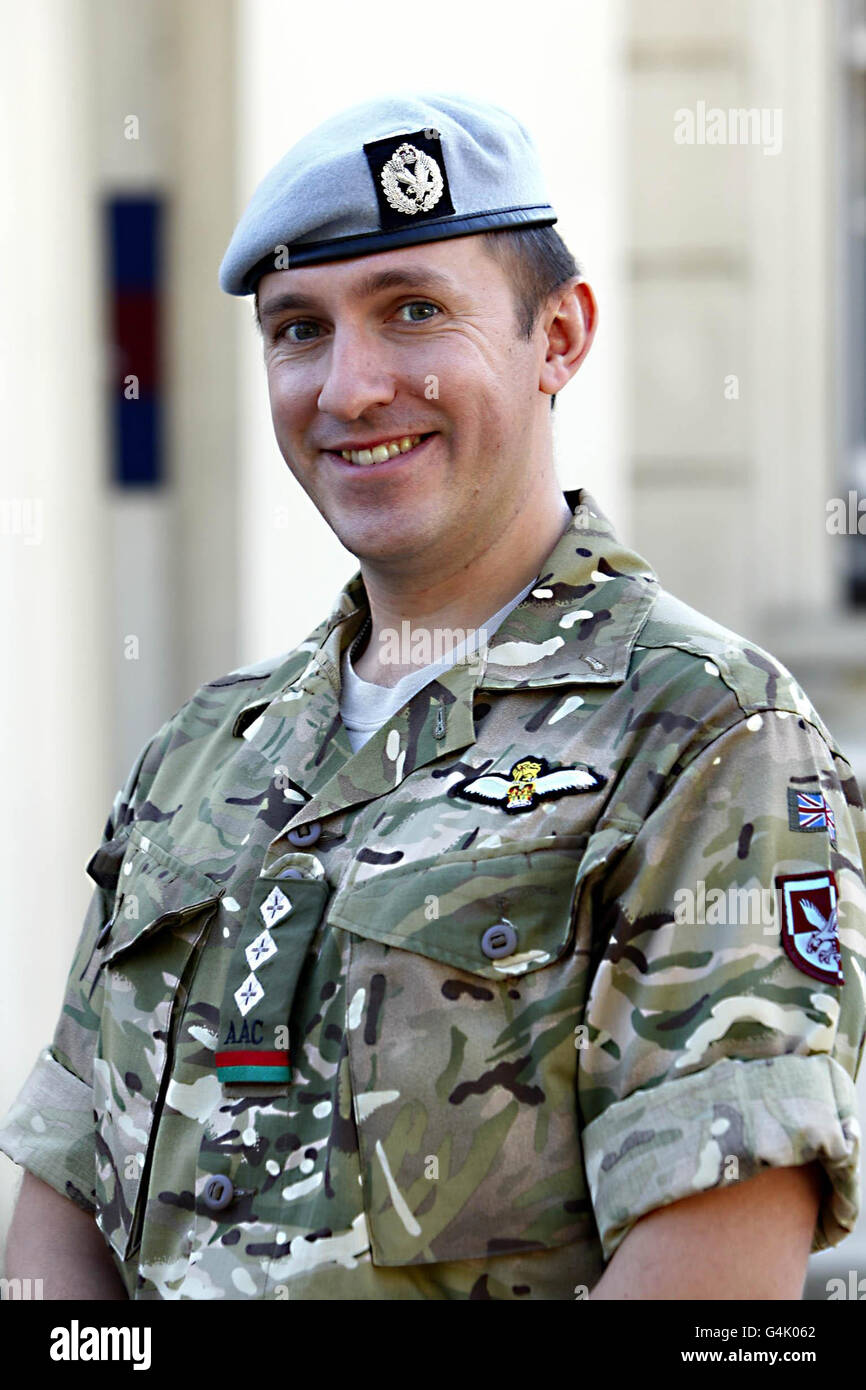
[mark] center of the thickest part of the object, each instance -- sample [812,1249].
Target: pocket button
[305,835]
[218,1192]
[500,940]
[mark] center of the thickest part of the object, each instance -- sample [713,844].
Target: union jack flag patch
[810,811]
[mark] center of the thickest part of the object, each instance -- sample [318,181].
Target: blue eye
[297,323]
[294,332]
[419,304]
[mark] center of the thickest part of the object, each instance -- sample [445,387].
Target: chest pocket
[465,990]
[161,910]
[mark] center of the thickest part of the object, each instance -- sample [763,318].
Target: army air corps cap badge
[530,782]
[809,916]
[408,171]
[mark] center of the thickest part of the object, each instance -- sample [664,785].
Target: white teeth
[381,452]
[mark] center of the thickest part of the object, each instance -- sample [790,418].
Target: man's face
[421,341]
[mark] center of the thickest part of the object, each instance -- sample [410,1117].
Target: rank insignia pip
[260,950]
[275,906]
[809,917]
[531,781]
[249,994]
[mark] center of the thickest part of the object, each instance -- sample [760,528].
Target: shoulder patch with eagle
[531,781]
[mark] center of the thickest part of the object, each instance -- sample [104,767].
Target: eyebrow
[410,276]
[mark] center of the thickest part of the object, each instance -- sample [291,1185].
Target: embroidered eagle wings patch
[810,924]
[530,782]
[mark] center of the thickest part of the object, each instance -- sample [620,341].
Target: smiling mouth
[381,453]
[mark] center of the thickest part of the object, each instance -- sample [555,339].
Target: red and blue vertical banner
[134,225]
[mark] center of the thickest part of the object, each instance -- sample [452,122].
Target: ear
[569,328]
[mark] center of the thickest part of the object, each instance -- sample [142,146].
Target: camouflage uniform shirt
[578,933]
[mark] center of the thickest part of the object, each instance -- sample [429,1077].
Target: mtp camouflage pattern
[460,1124]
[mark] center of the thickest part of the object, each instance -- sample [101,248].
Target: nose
[358,376]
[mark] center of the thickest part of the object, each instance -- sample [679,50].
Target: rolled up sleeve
[710,1055]
[658,1146]
[49,1130]
[49,1127]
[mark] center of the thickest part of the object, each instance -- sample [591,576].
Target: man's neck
[454,599]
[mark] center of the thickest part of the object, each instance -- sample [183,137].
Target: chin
[383,550]
[379,543]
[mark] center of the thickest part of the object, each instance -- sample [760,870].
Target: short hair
[535,260]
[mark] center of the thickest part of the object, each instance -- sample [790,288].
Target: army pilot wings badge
[531,781]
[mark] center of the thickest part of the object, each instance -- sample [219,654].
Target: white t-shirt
[365,707]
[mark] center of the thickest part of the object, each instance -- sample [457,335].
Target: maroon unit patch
[809,918]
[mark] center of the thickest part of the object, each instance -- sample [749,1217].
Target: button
[218,1192]
[292,873]
[305,835]
[500,940]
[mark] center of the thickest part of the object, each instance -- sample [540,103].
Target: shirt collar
[578,623]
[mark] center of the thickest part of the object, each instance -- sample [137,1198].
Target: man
[505,939]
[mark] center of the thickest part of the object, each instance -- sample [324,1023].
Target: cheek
[488,372]
[275,390]
[468,386]
[285,391]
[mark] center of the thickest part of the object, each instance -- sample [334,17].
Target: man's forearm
[52,1239]
[747,1241]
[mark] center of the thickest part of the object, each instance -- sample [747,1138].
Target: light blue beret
[395,171]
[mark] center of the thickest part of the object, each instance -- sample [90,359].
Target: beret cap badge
[410,177]
[421,185]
